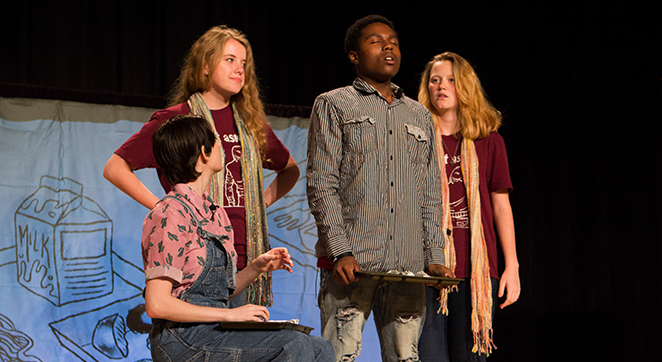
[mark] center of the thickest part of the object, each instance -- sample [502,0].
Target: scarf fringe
[483,343]
[443,299]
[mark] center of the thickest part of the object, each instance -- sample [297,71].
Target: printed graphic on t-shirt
[458,201]
[233,188]
[231,138]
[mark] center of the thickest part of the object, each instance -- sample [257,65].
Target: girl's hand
[274,259]
[248,313]
[510,286]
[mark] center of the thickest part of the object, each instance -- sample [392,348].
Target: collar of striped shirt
[363,87]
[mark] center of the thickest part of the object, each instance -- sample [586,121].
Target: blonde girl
[218,83]
[477,212]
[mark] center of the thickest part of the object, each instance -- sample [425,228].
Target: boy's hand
[439,271]
[343,270]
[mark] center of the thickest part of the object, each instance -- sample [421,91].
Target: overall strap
[207,236]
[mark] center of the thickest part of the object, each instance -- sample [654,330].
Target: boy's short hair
[354,32]
[176,145]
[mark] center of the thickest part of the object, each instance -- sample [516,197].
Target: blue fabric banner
[71,272]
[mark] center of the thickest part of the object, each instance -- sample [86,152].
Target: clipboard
[262,326]
[442,281]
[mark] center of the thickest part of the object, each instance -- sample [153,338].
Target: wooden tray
[266,326]
[443,281]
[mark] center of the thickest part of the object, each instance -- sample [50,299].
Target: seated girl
[190,264]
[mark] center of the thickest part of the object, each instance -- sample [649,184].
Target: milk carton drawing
[63,243]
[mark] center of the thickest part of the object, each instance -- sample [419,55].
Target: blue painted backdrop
[70,266]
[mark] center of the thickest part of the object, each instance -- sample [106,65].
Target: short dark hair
[176,145]
[354,32]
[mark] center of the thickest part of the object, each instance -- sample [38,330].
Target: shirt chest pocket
[418,144]
[359,134]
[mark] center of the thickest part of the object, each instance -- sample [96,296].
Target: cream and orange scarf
[257,235]
[481,286]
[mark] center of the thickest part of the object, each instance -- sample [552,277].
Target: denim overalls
[188,342]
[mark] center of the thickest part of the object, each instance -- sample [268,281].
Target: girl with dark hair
[190,264]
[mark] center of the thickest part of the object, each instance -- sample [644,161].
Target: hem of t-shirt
[508,187]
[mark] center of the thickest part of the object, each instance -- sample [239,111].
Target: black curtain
[580,89]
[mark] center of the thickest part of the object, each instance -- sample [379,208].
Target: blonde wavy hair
[207,51]
[476,116]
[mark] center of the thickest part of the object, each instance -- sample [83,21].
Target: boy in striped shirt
[374,189]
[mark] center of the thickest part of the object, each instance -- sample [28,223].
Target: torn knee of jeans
[414,356]
[348,358]
[352,356]
[346,314]
[406,318]
[343,317]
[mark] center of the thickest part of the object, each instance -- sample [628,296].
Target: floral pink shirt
[171,246]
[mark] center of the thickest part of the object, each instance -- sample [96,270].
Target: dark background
[580,88]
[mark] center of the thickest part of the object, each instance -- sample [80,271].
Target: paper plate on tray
[266,326]
[443,281]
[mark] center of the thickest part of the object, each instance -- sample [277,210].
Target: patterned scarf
[257,235]
[481,286]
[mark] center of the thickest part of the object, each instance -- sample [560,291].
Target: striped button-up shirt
[373,179]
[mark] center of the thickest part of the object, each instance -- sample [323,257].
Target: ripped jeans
[399,313]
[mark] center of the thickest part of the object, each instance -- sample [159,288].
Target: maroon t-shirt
[137,150]
[494,175]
